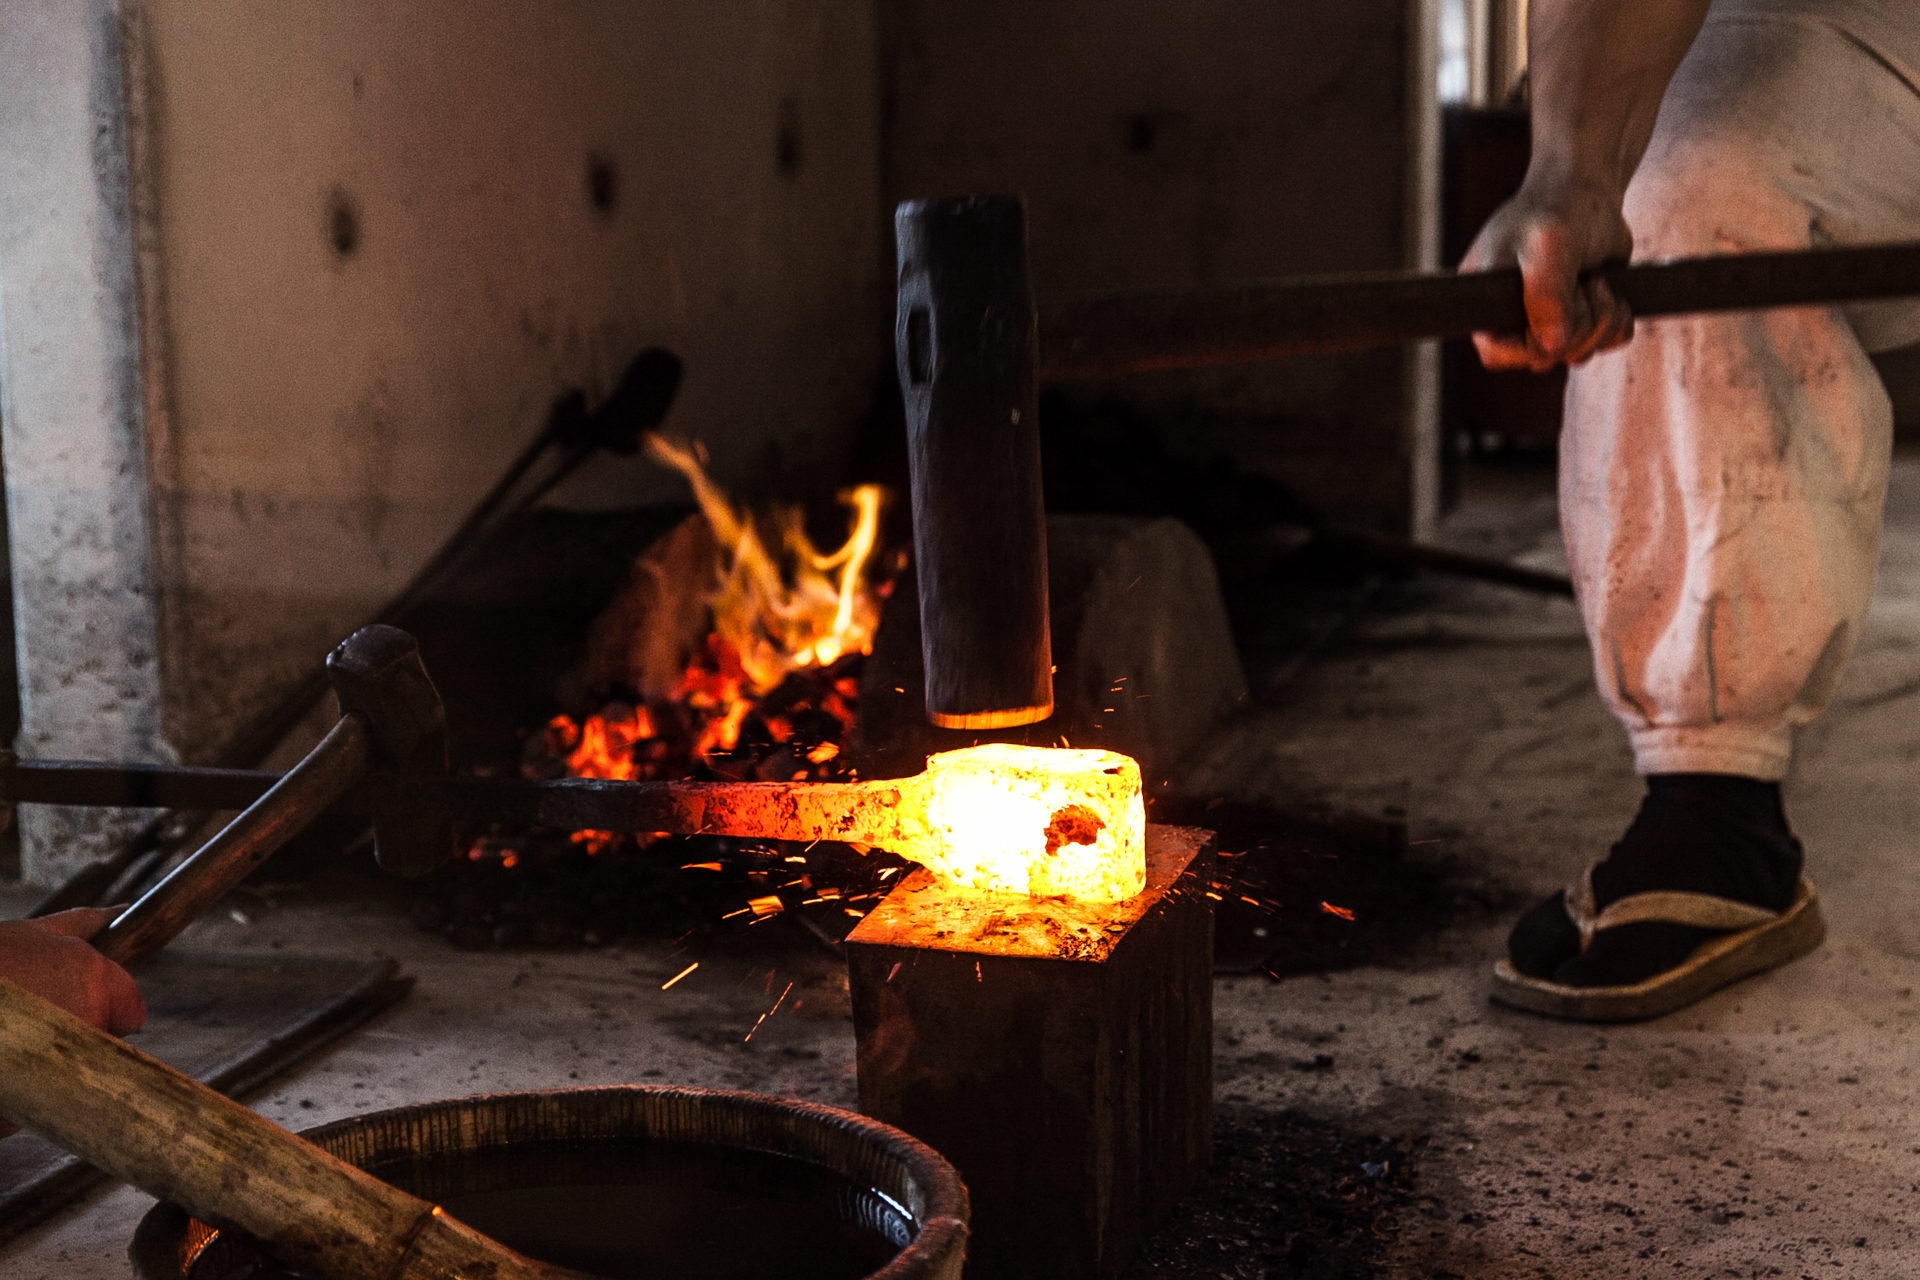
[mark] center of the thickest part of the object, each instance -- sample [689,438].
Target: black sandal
[1753,939]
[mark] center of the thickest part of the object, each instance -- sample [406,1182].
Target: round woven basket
[889,1195]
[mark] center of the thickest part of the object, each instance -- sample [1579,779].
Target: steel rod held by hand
[1136,332]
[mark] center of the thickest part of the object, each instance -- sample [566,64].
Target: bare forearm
[1599,69]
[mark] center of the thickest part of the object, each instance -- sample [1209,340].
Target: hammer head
[377,674]
[966,344]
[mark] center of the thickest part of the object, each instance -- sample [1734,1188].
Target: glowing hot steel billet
[1035,820]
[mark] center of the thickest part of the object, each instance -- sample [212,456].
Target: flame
[1036,820]
[779,610]
[772,615]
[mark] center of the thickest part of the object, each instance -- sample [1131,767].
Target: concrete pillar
[72,423]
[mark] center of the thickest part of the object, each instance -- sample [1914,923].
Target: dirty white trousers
[1722,477]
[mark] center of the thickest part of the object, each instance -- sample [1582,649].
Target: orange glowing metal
[1010,819]
[1036,820]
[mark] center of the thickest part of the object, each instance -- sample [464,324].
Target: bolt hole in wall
[603,184]
[788,155]
[343,224]
[1142,133]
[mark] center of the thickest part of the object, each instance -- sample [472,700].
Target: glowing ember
[1035,820]
[603,745]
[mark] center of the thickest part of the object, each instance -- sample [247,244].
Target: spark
[1345,913]
[683,973]
[768,1014]
[896,969]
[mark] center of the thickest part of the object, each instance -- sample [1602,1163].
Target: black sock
[1699,832]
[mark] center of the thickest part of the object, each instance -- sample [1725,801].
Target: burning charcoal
[770,695]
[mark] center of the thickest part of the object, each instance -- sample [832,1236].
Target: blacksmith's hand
[51,958]
[1553,229]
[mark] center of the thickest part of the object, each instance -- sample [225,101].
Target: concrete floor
[1770,1131]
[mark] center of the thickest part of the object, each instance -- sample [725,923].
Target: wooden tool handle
[173,1137]
[1180,329]
[327,772]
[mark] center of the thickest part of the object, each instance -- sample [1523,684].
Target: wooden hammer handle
[1137,332]
[327,773]
[174,1138]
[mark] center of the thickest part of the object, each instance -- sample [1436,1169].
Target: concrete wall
[1207,142]
[371,241]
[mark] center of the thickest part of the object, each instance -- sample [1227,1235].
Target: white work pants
[1721,477]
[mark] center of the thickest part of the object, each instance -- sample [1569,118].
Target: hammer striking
[964,343]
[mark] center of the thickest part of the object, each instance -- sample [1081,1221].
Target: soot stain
[1288,1196]
[603,184]
[343,224]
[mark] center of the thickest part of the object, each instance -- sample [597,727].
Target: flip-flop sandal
[1755,939]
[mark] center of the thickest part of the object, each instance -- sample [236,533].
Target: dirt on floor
[1288,1196]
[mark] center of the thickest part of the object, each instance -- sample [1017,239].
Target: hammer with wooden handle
[174,1138]
[390,717]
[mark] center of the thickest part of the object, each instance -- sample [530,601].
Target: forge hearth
[1059,1053]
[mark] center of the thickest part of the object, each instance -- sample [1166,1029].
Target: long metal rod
[292,802]
[567,804]
[1137,332]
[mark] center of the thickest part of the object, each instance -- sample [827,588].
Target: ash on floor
[1319,892]
[1288,1196]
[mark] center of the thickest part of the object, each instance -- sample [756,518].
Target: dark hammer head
[377,674]
[966,342]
